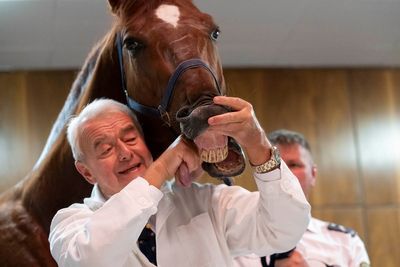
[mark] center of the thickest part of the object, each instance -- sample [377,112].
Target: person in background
[323,243]
[194,224]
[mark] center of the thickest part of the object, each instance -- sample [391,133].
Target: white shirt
[204,225]
[321,246]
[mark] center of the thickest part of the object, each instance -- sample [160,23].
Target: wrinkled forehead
[173,15]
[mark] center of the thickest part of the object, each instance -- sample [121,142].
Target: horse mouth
[212,148]
[221,155]
[232,165]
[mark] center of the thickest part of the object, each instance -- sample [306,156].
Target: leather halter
[162,110]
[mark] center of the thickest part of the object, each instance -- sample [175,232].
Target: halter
[162,110]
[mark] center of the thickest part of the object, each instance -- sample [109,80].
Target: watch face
[276,154]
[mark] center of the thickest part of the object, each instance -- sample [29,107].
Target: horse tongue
[212,147]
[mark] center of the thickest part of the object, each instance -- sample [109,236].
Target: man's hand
[295,259]
[243,126]
[181,159]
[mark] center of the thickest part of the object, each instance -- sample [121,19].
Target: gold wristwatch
[273,163]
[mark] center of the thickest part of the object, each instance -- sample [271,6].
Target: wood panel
[383,236]
[334,153]
[376,102]
[350,116]
[14,133]
[30,103]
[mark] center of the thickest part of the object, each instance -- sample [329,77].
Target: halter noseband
[162,110]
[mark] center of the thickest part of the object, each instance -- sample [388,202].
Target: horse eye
[133,46]
[215,34]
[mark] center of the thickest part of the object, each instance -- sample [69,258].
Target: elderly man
[194,225]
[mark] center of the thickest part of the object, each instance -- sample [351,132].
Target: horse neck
[54,182]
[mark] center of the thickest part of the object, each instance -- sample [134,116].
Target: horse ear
[114,4]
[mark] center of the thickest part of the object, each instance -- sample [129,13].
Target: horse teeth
[223,153]
[214,155]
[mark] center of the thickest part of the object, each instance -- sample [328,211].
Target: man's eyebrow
[128,128]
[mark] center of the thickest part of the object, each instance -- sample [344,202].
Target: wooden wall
[350,116]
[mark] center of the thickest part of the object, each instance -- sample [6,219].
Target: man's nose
[124,153]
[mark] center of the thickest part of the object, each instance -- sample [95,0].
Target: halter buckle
[164,115]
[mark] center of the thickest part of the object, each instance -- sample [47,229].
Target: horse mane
[70,105]
[42,191]
[26,210]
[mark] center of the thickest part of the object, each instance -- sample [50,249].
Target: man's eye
[106,150]
[131,140]
[295,165]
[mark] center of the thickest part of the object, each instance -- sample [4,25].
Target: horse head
[170,72]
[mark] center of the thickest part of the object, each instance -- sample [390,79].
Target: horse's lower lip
[230,163]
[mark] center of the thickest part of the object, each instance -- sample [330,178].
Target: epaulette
[341,228]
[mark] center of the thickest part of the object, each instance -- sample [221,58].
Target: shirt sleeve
[265,222]
[359,252]
[106,236]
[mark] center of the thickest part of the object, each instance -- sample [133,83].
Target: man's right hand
[181,159]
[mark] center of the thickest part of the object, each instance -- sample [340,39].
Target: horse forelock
[127,8]
[130,11]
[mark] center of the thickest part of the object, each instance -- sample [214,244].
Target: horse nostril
[183,114]
[193,120]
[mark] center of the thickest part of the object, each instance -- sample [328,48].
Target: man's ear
[314,172]
[85,172]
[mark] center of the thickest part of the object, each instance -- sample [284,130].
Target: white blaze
[168,13]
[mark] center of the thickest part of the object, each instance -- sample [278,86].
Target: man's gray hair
[95,109]
[286,137]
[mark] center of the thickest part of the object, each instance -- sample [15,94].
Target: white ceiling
[58,34]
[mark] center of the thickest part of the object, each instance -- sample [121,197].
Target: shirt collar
[96,199]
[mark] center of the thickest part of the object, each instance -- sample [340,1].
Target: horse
[159,58]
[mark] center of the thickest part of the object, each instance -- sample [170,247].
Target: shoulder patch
[341,228]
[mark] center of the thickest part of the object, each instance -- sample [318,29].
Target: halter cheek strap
[162,110]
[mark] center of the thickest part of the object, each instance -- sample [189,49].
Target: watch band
[273,163]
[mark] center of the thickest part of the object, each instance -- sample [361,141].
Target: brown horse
[159,58]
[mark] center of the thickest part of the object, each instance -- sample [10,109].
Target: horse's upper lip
[194,119]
